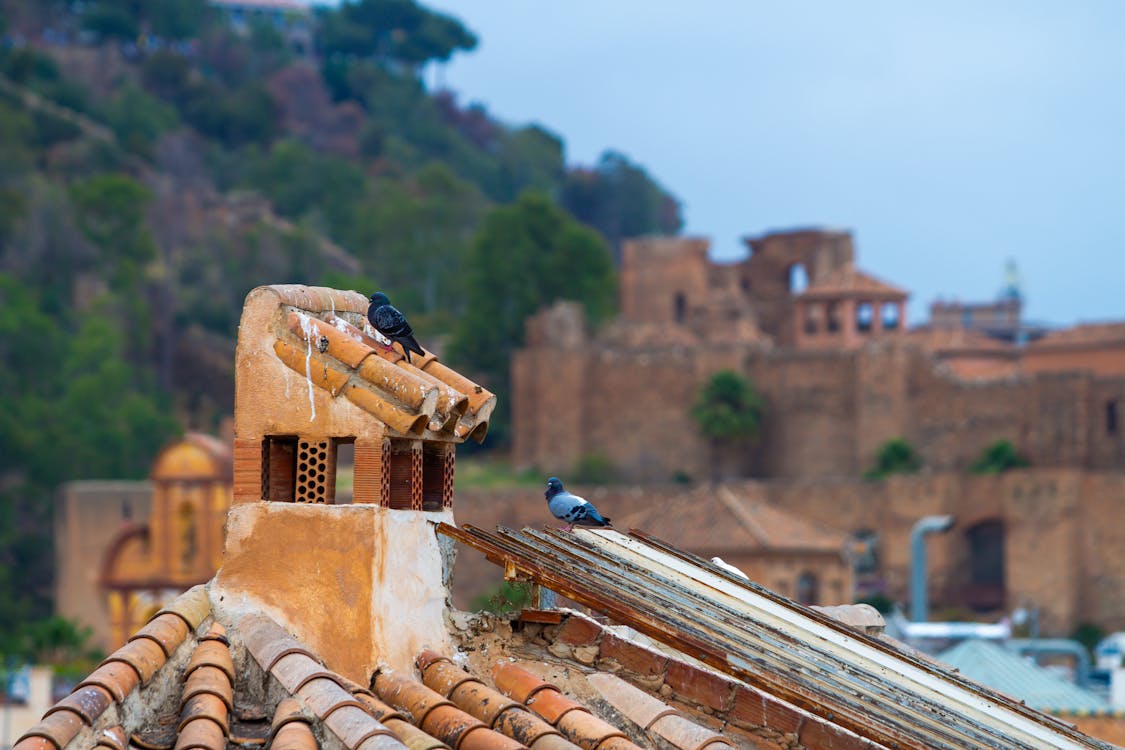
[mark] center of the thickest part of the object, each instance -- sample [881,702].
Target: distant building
[292,19]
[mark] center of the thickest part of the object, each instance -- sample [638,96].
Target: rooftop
[851,282]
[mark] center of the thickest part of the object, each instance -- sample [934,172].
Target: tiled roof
[323,335]
[849,281]
[167,690]
[726,516]
[754,637]
[1082,334]
[1012,674]
[958,340]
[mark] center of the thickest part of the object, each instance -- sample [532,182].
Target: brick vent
[316,471]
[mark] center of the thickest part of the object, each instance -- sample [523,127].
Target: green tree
[728,411]
[416,234]
[525,257]
[138,119]
[997,458]
[896,456]
[392,31]
[621,200]
[110,209]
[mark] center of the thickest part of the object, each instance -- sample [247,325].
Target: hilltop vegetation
[157,162]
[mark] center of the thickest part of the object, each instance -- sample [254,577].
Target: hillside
[157,161]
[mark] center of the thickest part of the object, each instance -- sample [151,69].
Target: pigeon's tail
[410,344]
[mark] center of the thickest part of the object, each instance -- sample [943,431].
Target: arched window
[864,315]
[807,589]
[889,313]
[798,278]
[986,565]
[187,536]
[680,307]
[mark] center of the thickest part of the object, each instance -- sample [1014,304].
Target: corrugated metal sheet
[1014,675]
[767,641]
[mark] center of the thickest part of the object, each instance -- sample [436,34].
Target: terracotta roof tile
[210,681]
[952,340]
[267,642]
[144,655]
[324,696]
[851,282]
[119,678]
[113,737]
[295,736]
[201,734]
[406,694]
[288,710]
[86,702]
[381,742]
[552,705]
[1084,333]
[506,716]
[167,630]
[214,653]
[517,682]
[378,708]
[205,706]
[295,670]
[60,728]
[571,718]
[747,523]
[653,715]
[317,370]
[687,735]
[34,742]
[591,732]
[192,606]
[338,354]
[353,725]
[452,725]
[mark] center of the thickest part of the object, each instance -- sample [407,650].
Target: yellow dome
[194,457]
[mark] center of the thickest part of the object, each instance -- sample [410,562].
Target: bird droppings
[310,332]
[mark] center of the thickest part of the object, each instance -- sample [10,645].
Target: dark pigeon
[571,508]
[392,324]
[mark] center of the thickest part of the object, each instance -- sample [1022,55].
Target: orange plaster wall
[324,572]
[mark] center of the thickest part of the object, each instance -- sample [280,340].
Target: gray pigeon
[571,508]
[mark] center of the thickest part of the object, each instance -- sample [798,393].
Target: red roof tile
[849,281]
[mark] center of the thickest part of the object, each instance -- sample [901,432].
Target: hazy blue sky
[949,136]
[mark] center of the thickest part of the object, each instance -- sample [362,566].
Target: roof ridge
[744,516]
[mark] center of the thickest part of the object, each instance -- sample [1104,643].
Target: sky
[949,136]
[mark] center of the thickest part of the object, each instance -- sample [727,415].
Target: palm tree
[728,411]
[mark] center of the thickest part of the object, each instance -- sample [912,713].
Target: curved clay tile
[86,702]
[267,642]
[58,728]
[166,630]
[396,721]
[294,736]
[576,722]
[353,725]
[438,716]
[505,715]
[687,735]
[209,680]
[295,670]
[205,706]
[192,606]
[113,738]
[517,682]
[324,696]
[144,655]
[212,653]
[119,678]
[35,742]
[201,734]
